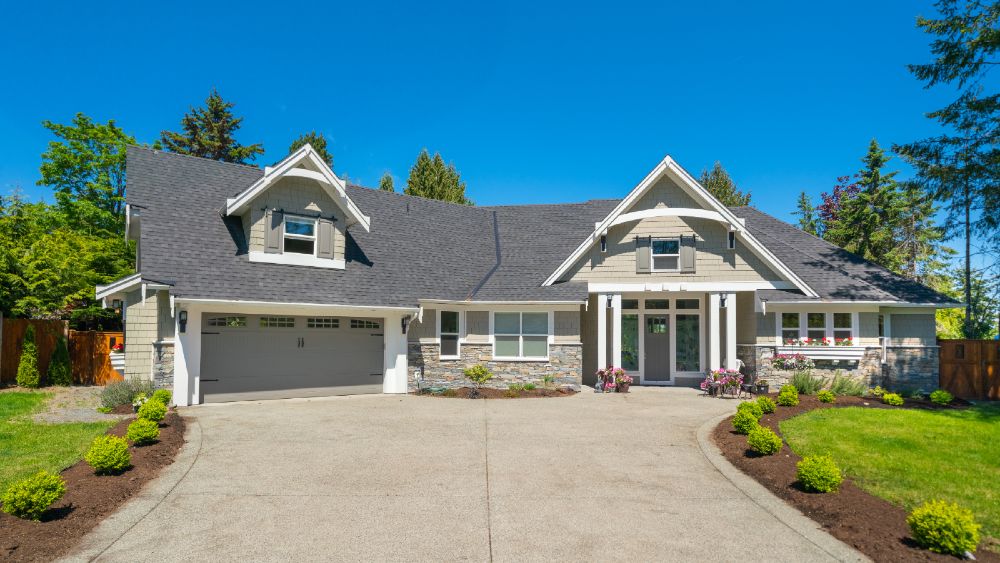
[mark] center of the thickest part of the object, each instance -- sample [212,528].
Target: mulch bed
[871,525]
[485,393]
[89,498]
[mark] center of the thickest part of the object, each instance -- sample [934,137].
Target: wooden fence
[88,351]
[970,369]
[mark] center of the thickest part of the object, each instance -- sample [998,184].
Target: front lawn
[28,447]
[909,456]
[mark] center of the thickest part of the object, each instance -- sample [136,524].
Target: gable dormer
[297,213]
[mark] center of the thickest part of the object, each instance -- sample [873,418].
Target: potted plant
[762,386]
[622,381]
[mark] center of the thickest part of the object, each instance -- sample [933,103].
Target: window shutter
[643,254]
[688,253]
[324,239]
[273,220]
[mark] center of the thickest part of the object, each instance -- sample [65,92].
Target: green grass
[910,456]
[27,447]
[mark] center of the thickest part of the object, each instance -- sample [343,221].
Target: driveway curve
[404,478]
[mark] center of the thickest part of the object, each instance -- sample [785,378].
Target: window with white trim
[843,326]
[521,335]
[817,328]
[300,235]
[789,327]
[322,322]
[666,255]
[449,334]
[277,322]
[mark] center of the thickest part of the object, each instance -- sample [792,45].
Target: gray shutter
[324,239]
[688,253]
[643,254]
[272,230]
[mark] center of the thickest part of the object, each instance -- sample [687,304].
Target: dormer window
[300,236]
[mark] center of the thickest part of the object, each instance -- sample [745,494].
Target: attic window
[666,255]
[300,235]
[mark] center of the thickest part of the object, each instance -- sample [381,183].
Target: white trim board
[293,259]
[232,305]
[598,287]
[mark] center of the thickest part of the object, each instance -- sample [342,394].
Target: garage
[248,357]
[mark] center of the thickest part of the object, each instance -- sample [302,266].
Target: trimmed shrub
[479,374]
[108,454]
[163,396]
[819,473]
[30,498]
[892,399]
[124,392]
[766,405]
[788,396]
[27,368]
[152,410]
[752,407]
[944,528]
[60,371]
[942,397]
[764,441]
[826,396]
[847,387]
[805,383]
[142,432]
[744,422]
[877,392]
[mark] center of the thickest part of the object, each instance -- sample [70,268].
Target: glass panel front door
[656,367]
[630,342]
[688,343]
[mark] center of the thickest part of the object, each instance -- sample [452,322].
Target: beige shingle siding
[141,326]
[913,330]
[294,195]
[567,326]
[746,318]
[765,328]
[165,322]
[868,329]
[423,330]
[477,326]
[714,260]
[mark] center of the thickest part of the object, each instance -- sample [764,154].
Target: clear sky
[532,102]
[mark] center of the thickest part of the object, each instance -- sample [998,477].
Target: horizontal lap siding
[294,195]
[913,330]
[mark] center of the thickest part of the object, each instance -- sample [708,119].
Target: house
[288,282]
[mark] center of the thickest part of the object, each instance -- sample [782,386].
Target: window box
[824,352]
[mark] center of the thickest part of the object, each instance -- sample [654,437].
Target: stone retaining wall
[428,369]
[163,365]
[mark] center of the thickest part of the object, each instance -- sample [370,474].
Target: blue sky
[532,102]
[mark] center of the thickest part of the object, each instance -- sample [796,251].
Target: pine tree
[721,185]
[432,178]
[318,143]
[27,368]
[209,132]
[919,238]
[806,212]
[60,371]
[385,183]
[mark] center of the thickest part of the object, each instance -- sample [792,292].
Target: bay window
[521,335]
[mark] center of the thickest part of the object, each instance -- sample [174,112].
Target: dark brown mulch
[123,409]
[467,393]
[871,525]
[89,498]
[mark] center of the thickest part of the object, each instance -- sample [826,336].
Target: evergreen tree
[209,132]
[806,212]
[983,306]
[27,368]
[432,178]
[385,183]
[60,371]
[318,142]
[829,210]
[721,185]
[919,238]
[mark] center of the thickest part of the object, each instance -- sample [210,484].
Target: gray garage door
[246,357]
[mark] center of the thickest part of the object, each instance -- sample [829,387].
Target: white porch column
[730,331]
[714,352]
[616,330]
[187,357]
[602,330]
[396,378]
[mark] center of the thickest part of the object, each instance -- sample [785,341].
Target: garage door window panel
[277,322]
[300,236]
[450,324]
[322,322]
[229,322]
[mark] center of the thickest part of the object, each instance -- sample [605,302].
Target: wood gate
[970,369]
[88,351]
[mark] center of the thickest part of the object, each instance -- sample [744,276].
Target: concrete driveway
[592,477]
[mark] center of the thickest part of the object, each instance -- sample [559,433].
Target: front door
[656,348]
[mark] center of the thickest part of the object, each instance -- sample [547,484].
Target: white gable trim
[333,185]
[667,167]
[667,212]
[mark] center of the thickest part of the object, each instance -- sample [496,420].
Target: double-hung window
[449,334]
[818,328]
[789,327]
[300,235]
[666,255]
[521,335]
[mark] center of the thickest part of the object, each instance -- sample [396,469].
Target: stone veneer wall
[163,365]
[565,364]
[905,369]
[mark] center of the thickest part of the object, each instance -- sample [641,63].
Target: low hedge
[30,498]
[944,528]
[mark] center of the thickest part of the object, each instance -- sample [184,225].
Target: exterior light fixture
[182,319]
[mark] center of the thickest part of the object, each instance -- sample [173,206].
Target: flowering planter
[623,387]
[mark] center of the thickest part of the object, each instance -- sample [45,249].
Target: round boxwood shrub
[744,422]
[788,396]
[942,397]
[152,410]
[893,399]
[162,395]
[766,405]
[819,473]
[29,498]
[764,441]
[109,454]
[751,407]
[826,396]
[944,528]
[142,432]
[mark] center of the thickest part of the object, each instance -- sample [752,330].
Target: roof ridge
[170,153]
